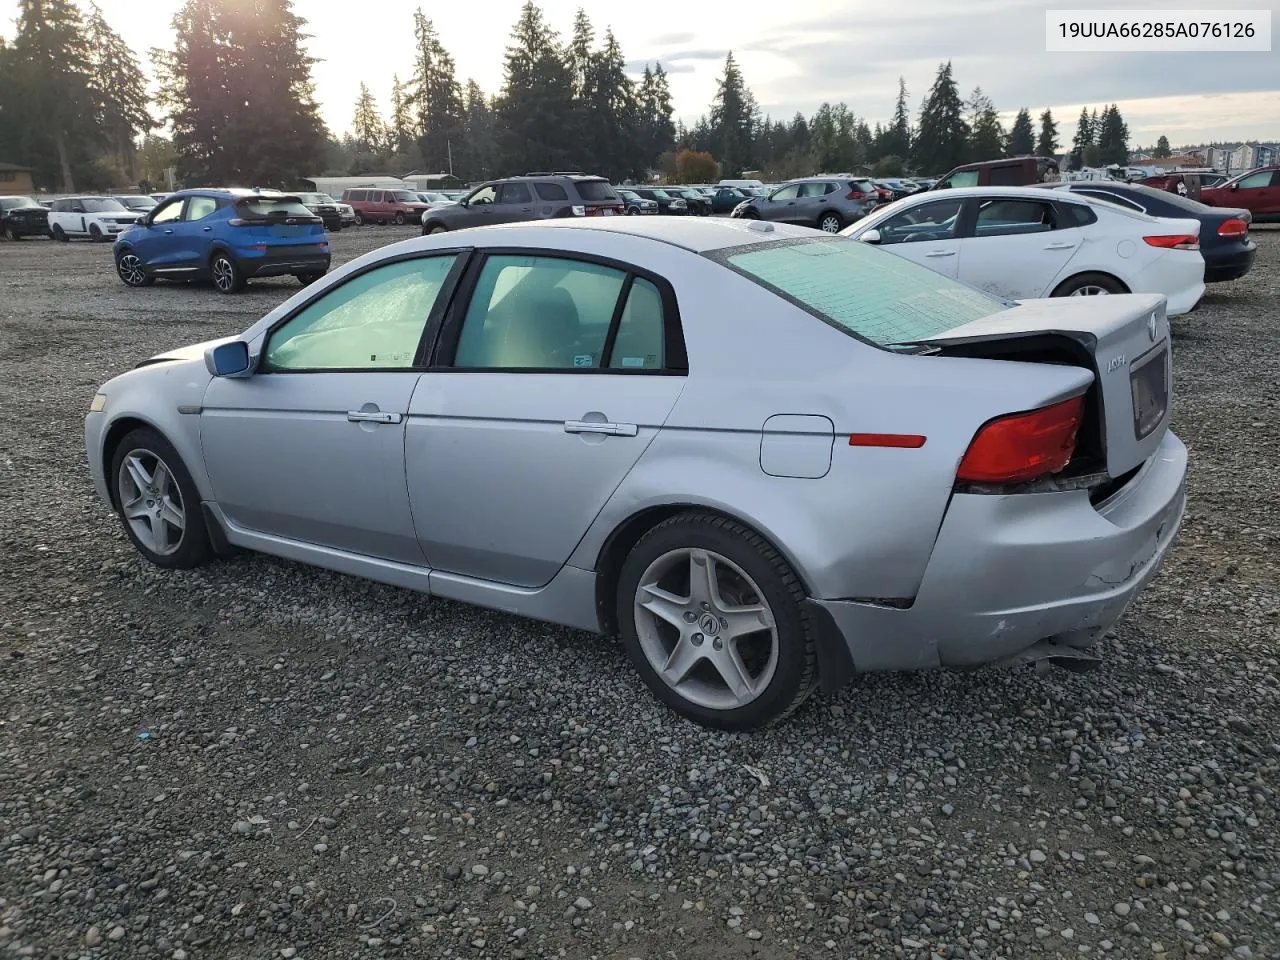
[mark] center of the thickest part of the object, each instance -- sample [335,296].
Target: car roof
[696,234]
[233,192]
[1021,193]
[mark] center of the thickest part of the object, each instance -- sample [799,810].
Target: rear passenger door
[811,202]
[515,203]
[550,382]
[193,235]
[1018,247]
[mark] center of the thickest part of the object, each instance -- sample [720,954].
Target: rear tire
[59,234]
[226,275]
[158,501]
[766,651]
[830,223]
[1089,285]
[306,279]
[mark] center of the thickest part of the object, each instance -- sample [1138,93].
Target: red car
[1258,191]
[384,206]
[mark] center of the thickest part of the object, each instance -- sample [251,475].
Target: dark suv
[22,217]
[534,197]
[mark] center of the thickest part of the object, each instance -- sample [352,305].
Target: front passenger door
[476,209]
[781,204]
[155,244]
[310,448]
[928,234]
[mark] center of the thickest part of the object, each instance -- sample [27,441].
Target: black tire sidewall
[1086,280]
[733,541]
[194,549]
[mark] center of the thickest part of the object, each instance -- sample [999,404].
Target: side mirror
[871,236]
[229,360]
[1235,186]
[464,202]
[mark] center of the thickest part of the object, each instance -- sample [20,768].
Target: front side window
[200,207]
[1260,179]
[936,220]
[1005,217]
[168,211]
[539,313]
[870,293]
[484,195]
[786,193]
[373,321]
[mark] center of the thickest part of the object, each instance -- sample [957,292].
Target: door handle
[206,229]
[168,231]
[1059,246]
[595,426]
[941,253]
[372,416]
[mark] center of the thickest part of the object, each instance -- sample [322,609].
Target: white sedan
[1025,243]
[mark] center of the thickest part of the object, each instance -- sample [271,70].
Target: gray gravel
[263,760]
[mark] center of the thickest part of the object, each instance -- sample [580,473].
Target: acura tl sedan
[764,456]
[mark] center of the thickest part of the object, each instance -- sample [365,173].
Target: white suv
[98,218]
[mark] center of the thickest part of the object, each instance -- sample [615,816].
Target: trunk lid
[1124,340]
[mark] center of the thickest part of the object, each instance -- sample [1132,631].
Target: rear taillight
[578,211]
[1234,227]
[1175,241]
[1023,446]
[854,195]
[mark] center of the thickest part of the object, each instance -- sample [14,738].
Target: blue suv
[226,236]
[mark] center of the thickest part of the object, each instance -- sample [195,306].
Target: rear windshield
[102,205]
[1193,207]
[263,207]
[869,293]
[595,190]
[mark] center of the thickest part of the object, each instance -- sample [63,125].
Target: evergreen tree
[986,133]
[613,129]
[475,161]
[437,97]
[896,138]
[1162,148]
[535,109]
[579,52]
[1021,140]
[942,136]
[1082,139]
[656,133]
[237,85]
[400,123]
[52,98]
[732,121]
[1113,137]
[367,128]
[1047,145]
[120,90]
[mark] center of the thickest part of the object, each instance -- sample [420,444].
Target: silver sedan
[766,457]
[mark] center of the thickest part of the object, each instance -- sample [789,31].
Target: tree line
[947,130]
[236,95]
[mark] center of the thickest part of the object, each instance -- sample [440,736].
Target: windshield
[404,196]
[869,293]
[12,203]
[101,205]
[137,203]
[662,194]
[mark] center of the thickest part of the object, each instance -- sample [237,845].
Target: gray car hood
[193,351]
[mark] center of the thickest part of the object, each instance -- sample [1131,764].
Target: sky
[851,51]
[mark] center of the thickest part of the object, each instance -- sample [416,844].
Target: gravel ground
[259,759]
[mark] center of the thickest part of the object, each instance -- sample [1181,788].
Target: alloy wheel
[1090,290]
[706,629]
[830,224]
[224,276]
[151,502]
[129,266]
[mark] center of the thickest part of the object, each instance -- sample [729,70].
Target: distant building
[15,180]
[431,181]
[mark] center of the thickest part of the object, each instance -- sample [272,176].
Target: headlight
[98,403]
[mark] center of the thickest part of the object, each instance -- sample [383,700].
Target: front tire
[359,220]
[306,279]
[1089,285]
[158,501]
[830,223]
[436,228]
[711,616]
[95,233]
[399,219]
[130,270]
[226,276]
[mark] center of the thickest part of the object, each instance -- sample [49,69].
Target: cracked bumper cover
[1009,571]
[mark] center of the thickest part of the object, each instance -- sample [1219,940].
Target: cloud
[673,39]
[637,66]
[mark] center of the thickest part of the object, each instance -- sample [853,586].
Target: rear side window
[1004,217]
[869,293]
[594,190]
[515,193]
[371,322]
[1080,214]
[965,178]
[1010,176]
[639,342]
[200,207]
[261,208]
[357,194]
[1111,198]
[550,191]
